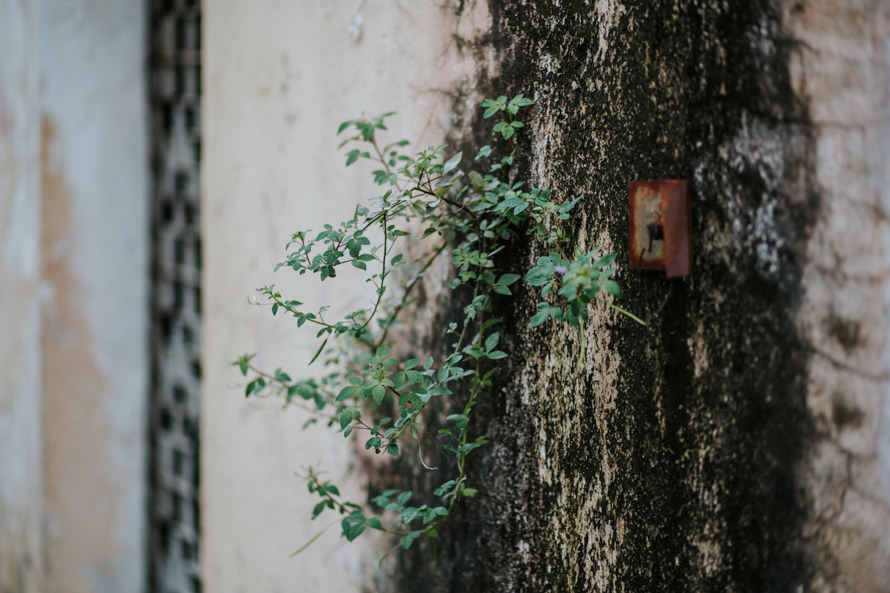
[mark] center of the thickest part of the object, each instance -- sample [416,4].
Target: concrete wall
[841,70]
[21,505]
[74,290]
[280,75]
[744,435]
[738,443]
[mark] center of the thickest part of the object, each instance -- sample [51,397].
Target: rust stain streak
[80,497]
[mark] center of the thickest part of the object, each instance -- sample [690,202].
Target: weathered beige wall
[94,183]
[841,70]
[280,75]
[21,508]
[73,296]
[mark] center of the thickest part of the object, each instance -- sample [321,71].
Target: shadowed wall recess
[175,83]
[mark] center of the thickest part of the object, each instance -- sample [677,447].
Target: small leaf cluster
[577,281]
[376,384]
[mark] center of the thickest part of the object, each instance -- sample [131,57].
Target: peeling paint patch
[81,494]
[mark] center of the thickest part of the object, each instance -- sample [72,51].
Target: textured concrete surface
[841,70]
[738,443]
[21,507]
[74,292]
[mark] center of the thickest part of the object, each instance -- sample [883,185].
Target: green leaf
[459,420]
[452,163]
[255,387]
[378,392]
[538,276]
[243,363]
[353,525]
[483,152]
[522,101]
[347,392]
[539,318]
[612,288]
[508,279]
[492,341]
[318,352]
[605,260]
[493,108]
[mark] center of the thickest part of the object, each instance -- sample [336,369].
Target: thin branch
[407,290]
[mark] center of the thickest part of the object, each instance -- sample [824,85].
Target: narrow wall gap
[174,83]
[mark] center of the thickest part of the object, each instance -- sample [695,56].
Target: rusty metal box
[661,227]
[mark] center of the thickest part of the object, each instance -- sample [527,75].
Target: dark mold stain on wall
[668,460]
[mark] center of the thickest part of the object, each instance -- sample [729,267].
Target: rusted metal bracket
[661,227]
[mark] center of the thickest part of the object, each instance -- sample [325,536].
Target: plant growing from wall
[368,389]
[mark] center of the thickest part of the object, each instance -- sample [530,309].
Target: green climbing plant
[469,216]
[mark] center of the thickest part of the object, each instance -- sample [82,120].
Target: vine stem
[455,350]
[384,162]
[583,348]
[407,291]
[382,288]
[287,385]
[460,207]
[291,310]
[427,196]
[629,314]
[314,537]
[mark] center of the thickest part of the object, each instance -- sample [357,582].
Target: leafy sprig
[381,387]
